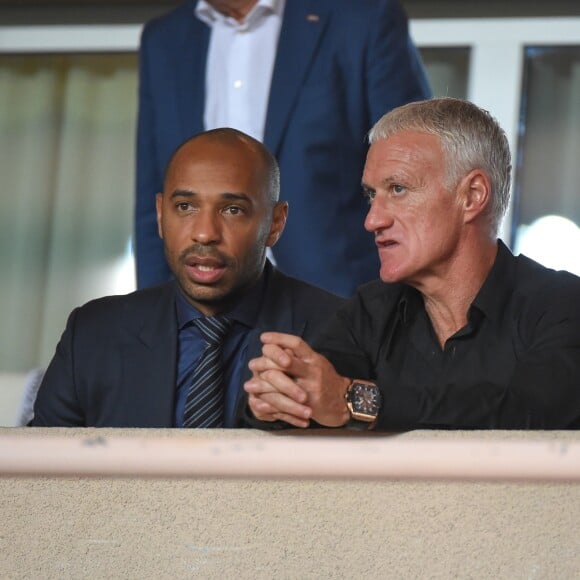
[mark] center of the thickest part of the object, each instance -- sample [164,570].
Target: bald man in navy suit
[130,361]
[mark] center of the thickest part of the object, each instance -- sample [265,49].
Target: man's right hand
[293,383]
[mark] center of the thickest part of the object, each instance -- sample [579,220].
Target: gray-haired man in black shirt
[458,333]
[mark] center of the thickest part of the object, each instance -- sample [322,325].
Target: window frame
[492,41]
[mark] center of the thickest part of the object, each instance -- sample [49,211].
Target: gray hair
[470,138]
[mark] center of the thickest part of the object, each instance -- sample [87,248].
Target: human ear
[476,194]
[159,209]
[279,217]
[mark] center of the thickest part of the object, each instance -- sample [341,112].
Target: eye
[369,195]
[398,189]
[183,206]
[233,210]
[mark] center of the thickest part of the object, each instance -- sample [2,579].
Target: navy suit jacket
[116,363]
[340,65]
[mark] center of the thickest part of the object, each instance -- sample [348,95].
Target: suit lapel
[301,31]
[149,362]
[190,54]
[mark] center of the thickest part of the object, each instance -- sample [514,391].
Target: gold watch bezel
[356,415]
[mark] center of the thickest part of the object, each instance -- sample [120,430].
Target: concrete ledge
[291,454]
[187,527]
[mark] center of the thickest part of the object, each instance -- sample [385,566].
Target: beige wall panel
[236,528]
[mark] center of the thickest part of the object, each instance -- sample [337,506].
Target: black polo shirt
[515,365]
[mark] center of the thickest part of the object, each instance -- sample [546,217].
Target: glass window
[546,214]
[67,126]
[67,141]
[447,69]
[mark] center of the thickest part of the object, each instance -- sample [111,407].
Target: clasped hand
[293,383]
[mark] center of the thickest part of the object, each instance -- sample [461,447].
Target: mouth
[386,244]
[204,270]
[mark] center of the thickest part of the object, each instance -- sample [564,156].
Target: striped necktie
[204,406]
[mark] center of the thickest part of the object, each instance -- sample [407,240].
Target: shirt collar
[208,14]
[493,296]
[409,304]
[244,311]
[490,301]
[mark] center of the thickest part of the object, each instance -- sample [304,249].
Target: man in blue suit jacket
[340,64]
[126,361]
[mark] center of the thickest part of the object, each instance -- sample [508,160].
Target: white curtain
[66,167]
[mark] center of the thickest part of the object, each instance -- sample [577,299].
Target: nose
[206,228]
[379,217]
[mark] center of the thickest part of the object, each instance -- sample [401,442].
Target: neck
[448,297]
[237,9]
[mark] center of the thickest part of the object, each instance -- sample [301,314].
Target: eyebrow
[226,195]
[390,179]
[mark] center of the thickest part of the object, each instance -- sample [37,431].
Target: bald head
[218,214]
[230,146]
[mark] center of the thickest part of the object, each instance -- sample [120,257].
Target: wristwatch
[363,400]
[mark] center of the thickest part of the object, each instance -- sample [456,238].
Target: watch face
[365,399]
